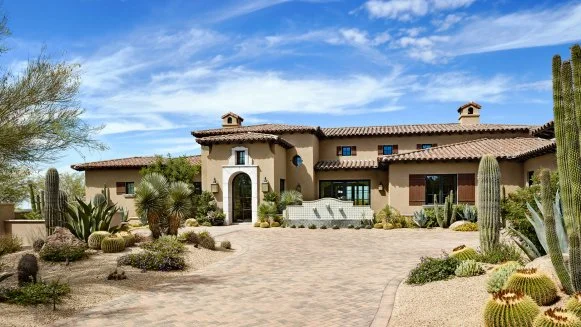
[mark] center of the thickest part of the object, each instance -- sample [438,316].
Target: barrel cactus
[113,244]
[264,225]
[489,202]
[499,276]
[463,252]
[469,268]
[129,239]
[509,308]
[574,304]
[95,239]
[99,199]
[191,222]
[534,284]
[556,317]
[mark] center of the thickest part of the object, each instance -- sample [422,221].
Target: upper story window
[425,146]
[130,188]
[470,111]
[297,161]
[229,120]
[346,151]
[125,188]
[240,157]
[387,149]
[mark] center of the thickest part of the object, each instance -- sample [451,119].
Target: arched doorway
[241,198]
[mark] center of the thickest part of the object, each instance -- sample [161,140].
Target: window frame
[297,160]
[425,146]
[240,157]
[130,188]
[282,185]
[345,149]
[390,147]
[442,194]
[356,194]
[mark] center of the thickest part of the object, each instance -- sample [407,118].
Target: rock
[62,236]
[458,223]
[142,235]
[545,265]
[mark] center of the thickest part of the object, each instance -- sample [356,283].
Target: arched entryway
[241,198]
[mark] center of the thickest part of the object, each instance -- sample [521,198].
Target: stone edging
[385,308]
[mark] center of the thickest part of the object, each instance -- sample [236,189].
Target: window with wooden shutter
[380,150]
[353,150]
[120,186]
[417,189]
[339,152]
[395,149]
[467,188]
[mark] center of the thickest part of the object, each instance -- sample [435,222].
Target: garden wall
[327,212]
[26,230]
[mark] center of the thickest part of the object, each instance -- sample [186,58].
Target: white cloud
[462,87]
[448,21]
[405,10]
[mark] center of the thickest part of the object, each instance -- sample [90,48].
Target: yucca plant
[179,205]
[86,218]
[151,200]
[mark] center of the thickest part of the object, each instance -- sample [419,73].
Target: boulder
[545,265]
[63,236]
[458,223]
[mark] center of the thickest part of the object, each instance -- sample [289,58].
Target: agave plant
[469,213]
[420,218]
[86,218]
[179,205]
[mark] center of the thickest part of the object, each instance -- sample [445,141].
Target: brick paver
[285,277]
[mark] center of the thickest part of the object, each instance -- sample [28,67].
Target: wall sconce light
[214,186]
[380,187]
[298,188]
[265,186]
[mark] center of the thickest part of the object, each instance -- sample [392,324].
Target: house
[399,165]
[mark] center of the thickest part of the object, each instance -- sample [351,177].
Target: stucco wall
[27,230]
[306,146]
[548,161]
[399,178]
[367,146]
[376,176]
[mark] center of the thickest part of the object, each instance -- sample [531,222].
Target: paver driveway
[285,277]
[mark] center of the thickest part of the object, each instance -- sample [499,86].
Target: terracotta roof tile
[263,128]
[509,149]
[345,164]
[546,131]
[233,115]
[133,162]
[244,137]
[471,103]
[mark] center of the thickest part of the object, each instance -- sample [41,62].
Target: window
[125,188]
[440,186]
[197,187]
[282,185]
[530,176]
[129,188]
[297,161]
[346,151]
[387,149]
[240,157]
[426,146]
[357,191]
[470,111]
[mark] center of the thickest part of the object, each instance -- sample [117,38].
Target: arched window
[297,161]
[470,111]
[229,120]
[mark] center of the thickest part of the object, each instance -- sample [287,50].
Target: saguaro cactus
[63,203]
[489,202]
[567,111]
[555,251]
[32,197]
[51,211]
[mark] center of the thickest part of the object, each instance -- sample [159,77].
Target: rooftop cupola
[231,120]
[469,113]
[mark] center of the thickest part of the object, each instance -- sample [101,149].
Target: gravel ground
[89,284]
[458,302]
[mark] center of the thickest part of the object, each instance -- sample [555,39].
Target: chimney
[231,120]
[469,113]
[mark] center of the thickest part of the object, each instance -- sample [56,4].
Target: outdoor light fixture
[298,188]
[265,186]
[380,187]
[214,186]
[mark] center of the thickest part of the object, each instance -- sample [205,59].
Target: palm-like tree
[179,205]
[151,200]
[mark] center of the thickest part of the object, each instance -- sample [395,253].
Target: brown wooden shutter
[419,146]
[353,150]
[467,188]
[339,151]
[394,149]
[380,150]
[120,186]
[417,189]
[434,145]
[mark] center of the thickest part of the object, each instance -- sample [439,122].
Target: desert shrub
[431,217]
[468,227]
[33,215]
[148,260]
[301,226]
[323,227]
[166,244]
[350,226]
[226,245]
[392,216]
[207,241]
[378,225]
[216,217]
[272,197]
[469,268]
[275,224]
[357,227]
[61,252]
[191,222]
[34,294]
[9,244]
[312,226]
[336,227]
[290,197]
[37,244]
[433,269]
[267,210]
[293,226]
[264,224]
[499,276]
[501,253]
[368,227]
[207,224]
[189,237]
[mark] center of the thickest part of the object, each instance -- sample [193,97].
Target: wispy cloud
[405,10]
[463,87]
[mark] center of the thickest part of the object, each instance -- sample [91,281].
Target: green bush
[34,294]
[378,225]
[61,252]
[501,253]
[9,244]
[357,227]
[499,276]
[293,226]
[468,227]
[336,227]
[189,237]
[166,244]
[207,224]
[468,268]
[312,226]
[288,198]
[33,215]
[266,211]
[148,260]
[323,227]
[301,226]
[433,269]
[226,245]
[272,197]
[350,226]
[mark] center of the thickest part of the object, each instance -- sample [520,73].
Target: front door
[241,198]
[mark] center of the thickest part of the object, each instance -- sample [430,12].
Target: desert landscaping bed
[89,285]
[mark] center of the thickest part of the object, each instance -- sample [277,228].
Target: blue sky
[152,71]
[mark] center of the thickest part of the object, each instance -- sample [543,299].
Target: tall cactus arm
[489,202]
[576,61]
[555,252]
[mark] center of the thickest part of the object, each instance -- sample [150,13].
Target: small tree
[173,169]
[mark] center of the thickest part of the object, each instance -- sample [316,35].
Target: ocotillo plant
[51,211]
[555,252]
[489,202]
[567,111]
